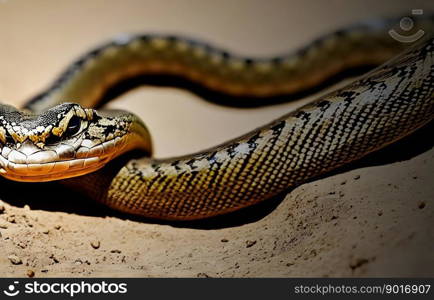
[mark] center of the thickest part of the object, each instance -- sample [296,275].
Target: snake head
[64,141]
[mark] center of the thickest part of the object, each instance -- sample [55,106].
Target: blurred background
[359,222]
[38,39]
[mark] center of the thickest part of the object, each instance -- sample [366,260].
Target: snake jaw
[29,163]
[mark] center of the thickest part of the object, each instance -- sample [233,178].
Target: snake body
[377,109]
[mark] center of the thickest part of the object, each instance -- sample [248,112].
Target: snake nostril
[9,138]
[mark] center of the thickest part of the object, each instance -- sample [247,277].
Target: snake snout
[28,162]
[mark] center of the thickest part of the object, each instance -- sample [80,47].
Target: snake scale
[52,140]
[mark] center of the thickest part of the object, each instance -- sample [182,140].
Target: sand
[372,221]
[372,218]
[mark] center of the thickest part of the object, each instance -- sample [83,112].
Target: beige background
[40,38]
[368,221]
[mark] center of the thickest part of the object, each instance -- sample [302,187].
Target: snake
[64,134]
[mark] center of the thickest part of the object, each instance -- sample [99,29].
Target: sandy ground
[372,218]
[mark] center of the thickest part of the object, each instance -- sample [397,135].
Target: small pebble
[116,251]
[421,205]
[11,219]
[250,243]
[54,258]
[95,244]
[356,263]
[380,213]
[15,260]
[356,177]
[202,275]
[30,273]
[26,207]
[2,208]
[57,227]
[46,231]
[224,240]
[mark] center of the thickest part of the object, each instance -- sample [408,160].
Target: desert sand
[373,218]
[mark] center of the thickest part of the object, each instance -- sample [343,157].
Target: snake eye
[74,126]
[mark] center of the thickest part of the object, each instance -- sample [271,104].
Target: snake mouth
[83,161]
[52,170]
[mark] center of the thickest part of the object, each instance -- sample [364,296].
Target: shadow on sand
[57,198]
